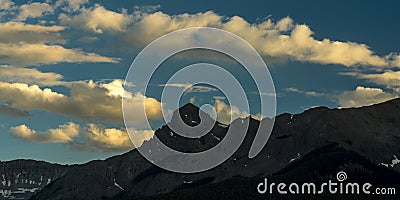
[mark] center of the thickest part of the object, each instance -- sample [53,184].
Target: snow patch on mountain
[295,158]
[117,185]
[395,161]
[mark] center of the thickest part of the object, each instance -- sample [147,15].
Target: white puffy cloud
[92,137]
[25,97]
[364,96]
[26,44]
[154,25]
[98,137]
[17,32]
[29,76]
[34,10]
[62,134]
[88,101]
[390,79]
[6,4]
[226,113]
[282,39]
[24,54]
[285,24]
[98,19]
[300,45]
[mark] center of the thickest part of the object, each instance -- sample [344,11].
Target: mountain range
[22,178]
[311,146]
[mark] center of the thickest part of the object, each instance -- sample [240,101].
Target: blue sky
[62,64]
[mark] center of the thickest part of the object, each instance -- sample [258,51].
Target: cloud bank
[283,39]
[30,76]
[62,134]
[88,101]
[364,96]
[92,137]
[98,19]
[32,44]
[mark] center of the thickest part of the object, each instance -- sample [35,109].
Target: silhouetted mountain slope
[21,178]
[192,116]
[318,166]
[371,132]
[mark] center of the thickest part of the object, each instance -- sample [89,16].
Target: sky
[63,65]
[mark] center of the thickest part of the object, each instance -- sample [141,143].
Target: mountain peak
[189,113]
[189,107]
